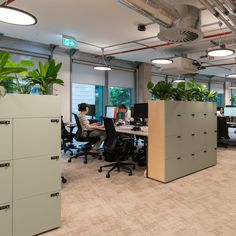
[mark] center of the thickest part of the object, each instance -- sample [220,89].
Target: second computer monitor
[92,110]
[110,112]
[141,110]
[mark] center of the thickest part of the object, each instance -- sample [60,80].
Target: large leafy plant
[184,91]
[45,75]
[7,72]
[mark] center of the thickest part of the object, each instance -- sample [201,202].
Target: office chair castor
[107,176]
[99,158]
[85,162]
[100,170]
[63,180]
[69,160]
[130,174]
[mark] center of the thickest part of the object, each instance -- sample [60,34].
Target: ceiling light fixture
[104,67]
[179,80]
[232,75]
[162,61]
[221,51]
[16,16]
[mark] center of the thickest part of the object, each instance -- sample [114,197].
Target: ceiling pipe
[226,64]
[217,15]
[163,45]
[7,2]
[231,5]
[221,7]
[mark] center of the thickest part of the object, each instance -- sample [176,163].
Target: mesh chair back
[79,128]
[221,127]
[112,138]
[64,131]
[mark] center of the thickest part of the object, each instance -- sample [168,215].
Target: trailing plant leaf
[2,91]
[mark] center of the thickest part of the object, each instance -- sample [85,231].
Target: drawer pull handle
[193,154]
[178,136]
[215,148]
[55,158]
[193,114]
[4,207]
[55,120]
[178,158]
[205,133]
[5,122]
[193,134]
[215,131]
[215,114]
[178,115]
[54,195]
[205,151]
[4,165]
[205,114]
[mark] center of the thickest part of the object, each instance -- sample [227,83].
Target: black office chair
[222,131]
[116,146]
[89,141]
[66,139]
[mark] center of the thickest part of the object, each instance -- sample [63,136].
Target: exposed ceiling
[106,23]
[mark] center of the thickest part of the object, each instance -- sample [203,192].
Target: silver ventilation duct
[186,28]
[156,10]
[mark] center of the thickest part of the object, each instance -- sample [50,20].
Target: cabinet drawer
[208,158]
[176,168]
[38,175]
[5,182]
[6,139]
[42,136]
[6,220]
[173,146]
[174,124]
[35,215]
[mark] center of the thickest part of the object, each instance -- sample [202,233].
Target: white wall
[64,91]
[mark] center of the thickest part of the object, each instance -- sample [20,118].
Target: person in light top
[83,110]
[220,112]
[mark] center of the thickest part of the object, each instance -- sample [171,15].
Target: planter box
[182,138]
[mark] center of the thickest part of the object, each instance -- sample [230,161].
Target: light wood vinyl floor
[203,203]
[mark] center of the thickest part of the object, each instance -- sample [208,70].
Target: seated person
[123,114]
[220,112]
[83,109]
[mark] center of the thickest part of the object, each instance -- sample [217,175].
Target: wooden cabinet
[182,138]
[30,175]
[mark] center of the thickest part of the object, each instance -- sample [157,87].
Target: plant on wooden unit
[184,91]
[45,75]
[7,72]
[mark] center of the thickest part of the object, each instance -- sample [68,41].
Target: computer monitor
[110,112]
[141,110]
[230,111]
[92,110]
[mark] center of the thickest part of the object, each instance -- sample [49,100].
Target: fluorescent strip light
[102,68]
[16,16]
[232,75]
[162,61]
[179,80]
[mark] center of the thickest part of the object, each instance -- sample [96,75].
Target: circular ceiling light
[220,52]
[16,16]
[162,61]
[232,75]
[102,68]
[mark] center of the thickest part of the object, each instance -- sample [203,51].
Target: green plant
[45,75]
[162,90]
[7,72]
[190,91]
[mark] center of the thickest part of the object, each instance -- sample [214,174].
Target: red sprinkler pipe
[7,2]
[164,44]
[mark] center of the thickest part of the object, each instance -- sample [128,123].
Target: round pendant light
[162,61]
[16,16]
[102,68]
[221,51]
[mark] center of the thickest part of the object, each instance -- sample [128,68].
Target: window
[120,87]
[117,96]
[219,88]
[91,94]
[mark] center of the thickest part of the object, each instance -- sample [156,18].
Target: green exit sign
[69,42]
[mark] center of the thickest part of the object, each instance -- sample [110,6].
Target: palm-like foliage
[45,75]
[7,72]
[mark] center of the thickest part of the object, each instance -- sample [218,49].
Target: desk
[126,129]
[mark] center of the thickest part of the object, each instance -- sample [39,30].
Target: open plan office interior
[117,117]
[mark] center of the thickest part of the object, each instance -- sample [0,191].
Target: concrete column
[228,93]
[144,75]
